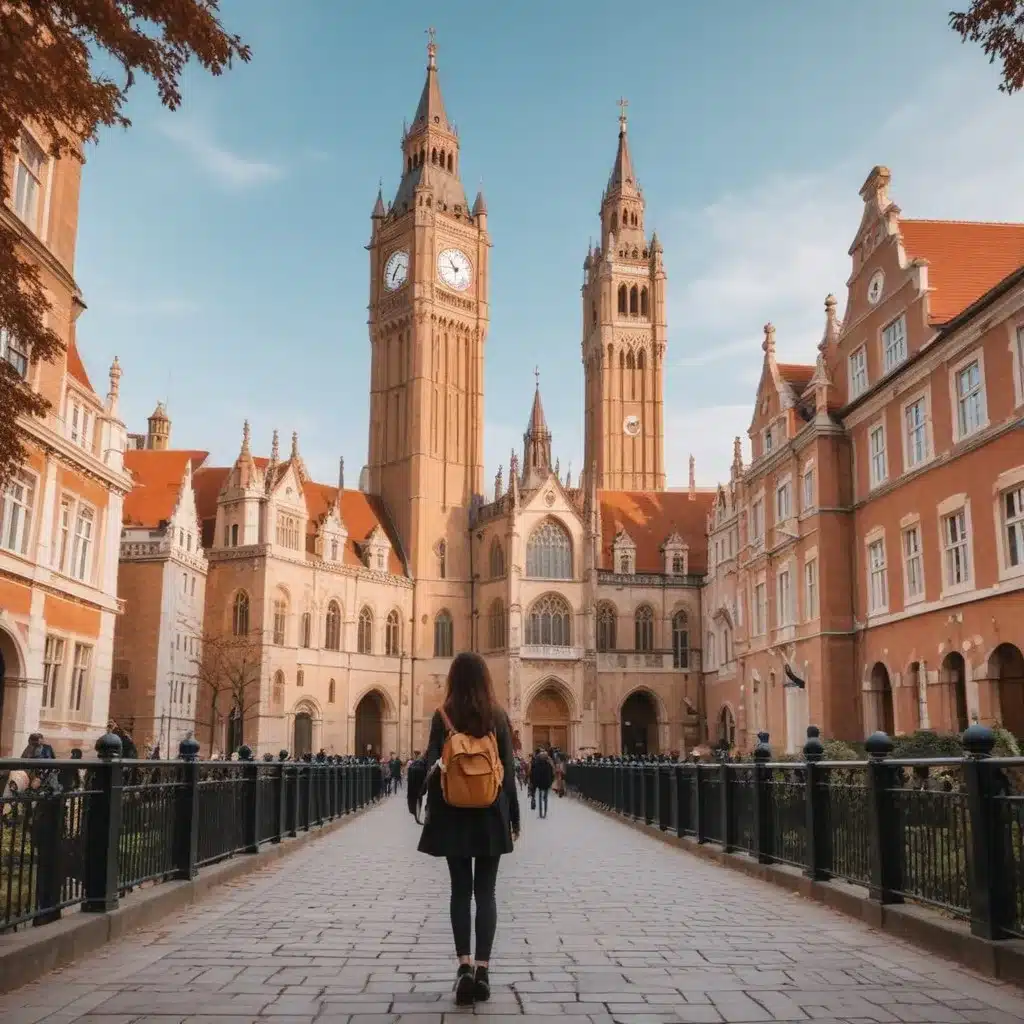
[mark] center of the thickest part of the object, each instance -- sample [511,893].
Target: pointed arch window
[549,623]
[607,619]
[331,692]
[645,303]
[549,552]
[630,360]
[442,560]
[680,641]
[615,223]
[433,156]
[364,636]
[593,314]
[306,630]
[640,359]
[443,634]
[277,695]
[332,627]
[623,298]
[643,628]
[280,617]
[450,162]
[240,614]
[634,300]
[497,559]
[496,625]
[234,535]
[392,636]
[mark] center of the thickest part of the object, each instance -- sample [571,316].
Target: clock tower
[428,319]
[624,337]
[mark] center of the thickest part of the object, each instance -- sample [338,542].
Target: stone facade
[866,568]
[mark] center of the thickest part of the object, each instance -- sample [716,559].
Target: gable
[650,518]
[157,478]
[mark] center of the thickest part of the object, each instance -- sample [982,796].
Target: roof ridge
[977,223]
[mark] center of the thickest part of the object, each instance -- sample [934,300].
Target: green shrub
[840,750]
[1006,744]
[926,743]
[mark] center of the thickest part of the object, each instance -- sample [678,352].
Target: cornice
[36,577]
[35,245]
[264,552]
[78,459]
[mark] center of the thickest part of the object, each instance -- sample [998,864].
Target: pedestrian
[472,816]
[542,775]
[395,767]
[385,774]
[559,786]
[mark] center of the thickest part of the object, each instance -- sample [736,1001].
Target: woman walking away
[472,811]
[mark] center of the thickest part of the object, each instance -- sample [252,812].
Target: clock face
[454,269]
[631,426]
[396,270]
[875,287]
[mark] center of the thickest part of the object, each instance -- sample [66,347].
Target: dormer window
[677,556]
[624,554]
[287,531]
[78,422]
[376,550]
[767,440]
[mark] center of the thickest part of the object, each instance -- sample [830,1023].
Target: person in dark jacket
[472,840]
[542,775]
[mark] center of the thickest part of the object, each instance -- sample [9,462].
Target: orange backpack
[471,769]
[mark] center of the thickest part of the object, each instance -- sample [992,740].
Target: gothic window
[280,615]
[306,630]
[625,217]
[332,627]
[423,155]
[615,223]
[643,628]
[680,641]
[634,300]
[240,614]
[630,361]
[364,637]
[549,623]
[443,639]
[644,302]
[497,559]
[450,164]
[442,560]
[622,298]
[640,359]
[622,359]
[549,552]
[330,692]
[300,678]
[727,727]
[391,634]
[606,622]
[234,535]
[278,692]
[496,625]
[433,156]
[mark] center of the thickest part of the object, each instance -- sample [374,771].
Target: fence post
[251,799]
[47,824]
[700,827]
[682,798]
[650,793]
[187,811]
[104,828]
[763,845]
[818,826]
[991,863]
[666,805]
[728,840]
[886,848]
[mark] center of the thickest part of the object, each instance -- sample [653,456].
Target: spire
[341,473]
[833,325]
[378,207]
[275,448]
[115,378]
[296,459]
[275,459]
[622,179]
[693,478]
[246,439]
[430,109]
[737,458]
[498,489]
[768,345]
[536,442]
[479,205]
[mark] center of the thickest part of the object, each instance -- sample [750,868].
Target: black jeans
[479,884]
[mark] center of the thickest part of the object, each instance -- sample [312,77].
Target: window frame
[14,354]
[860,356]
[807,474]
[878,461]
[812,605]
[911,526]
[976,355]
[31,219]
[888,364]
[952,507]
[877,573]
[25,532]
[923,398]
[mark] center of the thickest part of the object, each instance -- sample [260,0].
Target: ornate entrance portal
[548,715]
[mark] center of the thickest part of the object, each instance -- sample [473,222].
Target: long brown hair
[469,701]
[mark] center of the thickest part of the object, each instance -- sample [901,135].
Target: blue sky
[221,248]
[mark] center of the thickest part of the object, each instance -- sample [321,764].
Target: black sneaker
[464,986]
[482,985]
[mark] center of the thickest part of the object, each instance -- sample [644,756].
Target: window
[53,662]
[678,565]
[970,405]
[332,627]
[496,625]
[808,485]
[78,423]
[548,623]
[606,622]
[79,676]
[914,416]
[767,440]
[549,552]
[783,504]
[680,641]
[785,617]
[443,639]
[442,560]
[234,535]
[811,589]
[760,608]
[28,176]
[1013,525]
[82,544]
[643,629]
[878,588]
[16,513]
[331,689]
[757,520]
[277,693]
[240,614]
[955,544]
[334,549]
[1020,362]
[913,569]
[497,559]
[300,678]
[392,634]
[306,630]
[13,352]
[894,343]
[858,372]
[380,560]
[280,611]
[876,445]
[287,535]
[364,635]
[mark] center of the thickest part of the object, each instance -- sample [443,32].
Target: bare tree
[999,26]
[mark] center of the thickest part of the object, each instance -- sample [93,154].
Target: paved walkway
[596,922]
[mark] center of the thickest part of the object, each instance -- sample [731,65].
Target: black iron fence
[943,832]
[84,833]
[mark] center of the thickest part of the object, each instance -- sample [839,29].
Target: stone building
[60,514]
[867,567]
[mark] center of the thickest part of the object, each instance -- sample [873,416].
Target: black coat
[542,773]
[470,831]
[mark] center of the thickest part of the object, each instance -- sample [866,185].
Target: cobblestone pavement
[596,923]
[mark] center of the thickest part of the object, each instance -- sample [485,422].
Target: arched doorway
[639,718]
[953,677]
[369,725]
[726,728]
[1006,671]
[302,740]
[881,693]
[548,714]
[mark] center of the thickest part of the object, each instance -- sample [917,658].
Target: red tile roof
[650,518]
[157,477]
[965,260]
[76,368]
[796,374]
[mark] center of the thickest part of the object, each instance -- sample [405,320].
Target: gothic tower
[428,319]
[624,336]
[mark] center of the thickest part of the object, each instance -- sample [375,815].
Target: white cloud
[228,168]
[774,252]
